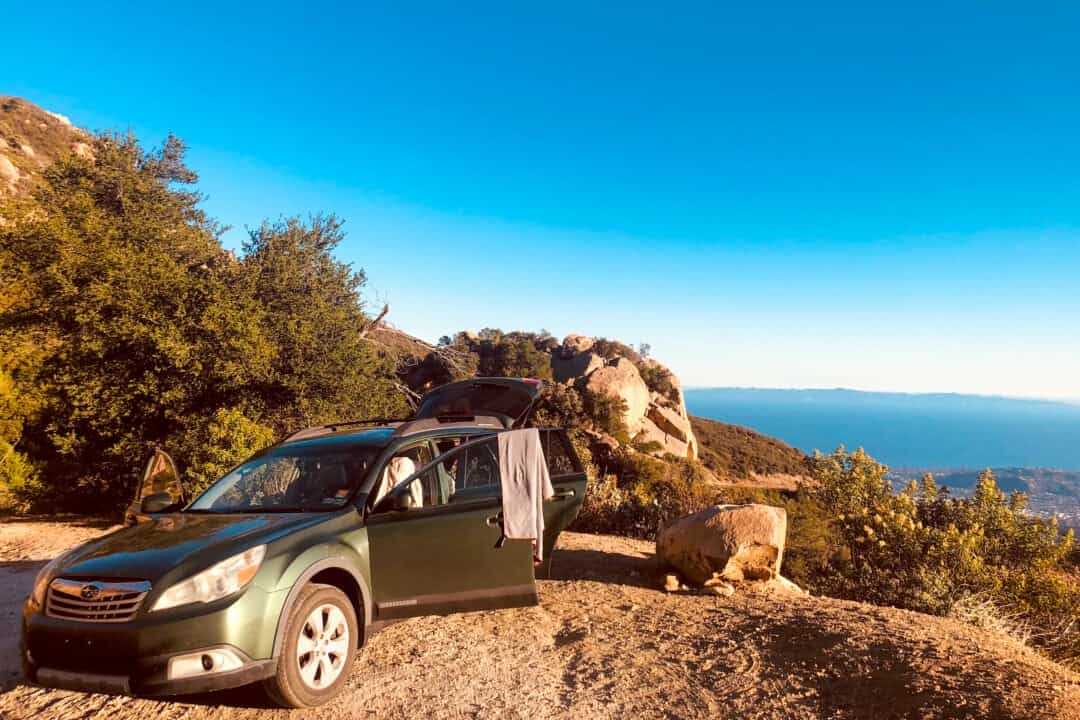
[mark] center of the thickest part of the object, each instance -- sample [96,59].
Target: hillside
[30,140]
[605,643]
[739,455]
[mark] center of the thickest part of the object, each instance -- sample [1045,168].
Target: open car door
[510,400]
[444,555]
[159,478]
[568,480]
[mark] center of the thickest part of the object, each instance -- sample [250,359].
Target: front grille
[94,600]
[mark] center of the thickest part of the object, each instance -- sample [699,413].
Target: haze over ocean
[906,430]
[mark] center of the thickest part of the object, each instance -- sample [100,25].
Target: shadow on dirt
[608,567]
[249,696]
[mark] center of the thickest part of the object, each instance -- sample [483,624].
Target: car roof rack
[444,422]
[317,430]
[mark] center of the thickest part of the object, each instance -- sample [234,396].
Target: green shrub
[923,550]
[613,349]
[607,413]
[647,446]
[637,495]
[559,406]
[219,443]
[20,486]
[660,380]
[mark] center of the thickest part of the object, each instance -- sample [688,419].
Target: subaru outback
[281,570]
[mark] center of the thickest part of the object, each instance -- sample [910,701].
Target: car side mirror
[158,502]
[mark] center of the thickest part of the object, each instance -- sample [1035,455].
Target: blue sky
[776,196]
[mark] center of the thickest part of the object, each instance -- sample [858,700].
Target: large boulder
[570,366]
[668,444]
[621,379]
[671,422]
[733,542]
[575,344]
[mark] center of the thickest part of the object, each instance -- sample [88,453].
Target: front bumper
[149,678]
[133,657]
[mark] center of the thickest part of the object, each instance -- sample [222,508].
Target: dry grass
[982,612]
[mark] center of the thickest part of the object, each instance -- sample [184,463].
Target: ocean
[906,430]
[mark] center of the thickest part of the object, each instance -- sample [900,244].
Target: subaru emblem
[90,592]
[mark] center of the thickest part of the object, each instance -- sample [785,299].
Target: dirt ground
[606,643]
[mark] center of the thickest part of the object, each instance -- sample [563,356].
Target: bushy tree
[514,354]
[126,274]
[125,325]
[321,367]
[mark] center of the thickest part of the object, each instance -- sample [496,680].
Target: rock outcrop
[31,139]
[619,378]
[728,542]
[655,420]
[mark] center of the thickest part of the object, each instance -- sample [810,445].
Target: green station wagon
[285,567]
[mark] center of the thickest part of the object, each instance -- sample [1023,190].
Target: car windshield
[288,481]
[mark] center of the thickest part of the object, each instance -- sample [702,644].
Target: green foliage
[213,447]
[660,380]
[513,354]
[607,413]
[647,446]
[125,325]
[20,485]
[613,349]
[921,549]
[320,367]
[559,406]
[636,495]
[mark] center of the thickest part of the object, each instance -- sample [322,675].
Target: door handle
[564,494]
[494,519]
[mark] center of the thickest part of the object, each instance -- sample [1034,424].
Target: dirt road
[605,643]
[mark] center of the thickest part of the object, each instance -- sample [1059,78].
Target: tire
[321,638]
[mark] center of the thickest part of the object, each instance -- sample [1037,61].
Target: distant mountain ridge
[889,394]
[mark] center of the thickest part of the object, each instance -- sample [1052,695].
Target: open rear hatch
[510,400]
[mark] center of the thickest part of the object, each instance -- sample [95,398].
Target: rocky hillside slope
[605,642]
[654,416]
[740,456]
[30,140]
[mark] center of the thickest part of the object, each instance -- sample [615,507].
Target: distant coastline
[906,430]
[889,393]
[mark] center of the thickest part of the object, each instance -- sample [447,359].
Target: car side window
[459,475]
[398,468]
[560,460]
[479,468]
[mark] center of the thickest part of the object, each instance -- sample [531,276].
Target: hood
[151,549]
[507,399]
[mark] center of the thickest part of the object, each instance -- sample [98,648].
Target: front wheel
[321,637]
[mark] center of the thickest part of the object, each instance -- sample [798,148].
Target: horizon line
[921,393]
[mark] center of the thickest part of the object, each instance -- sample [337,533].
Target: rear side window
[561,459]
[480,468]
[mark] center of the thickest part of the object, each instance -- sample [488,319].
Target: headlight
[44,577]
[214,583]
